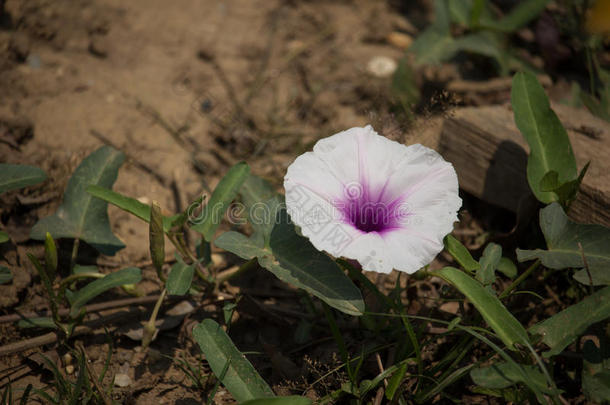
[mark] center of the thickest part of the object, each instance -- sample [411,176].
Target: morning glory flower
[362,196]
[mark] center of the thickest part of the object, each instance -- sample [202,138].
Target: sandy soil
[185,89]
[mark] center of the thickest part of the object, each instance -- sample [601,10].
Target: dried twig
[147,300]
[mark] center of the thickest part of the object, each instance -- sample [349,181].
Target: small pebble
[122,380]
[381,66]
[399,39]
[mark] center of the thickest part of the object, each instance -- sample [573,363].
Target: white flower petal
[412,191]
[371,251]
[410,250]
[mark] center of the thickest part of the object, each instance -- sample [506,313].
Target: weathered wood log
[490,157]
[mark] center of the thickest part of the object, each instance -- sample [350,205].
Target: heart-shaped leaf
[18,176]
[81,216]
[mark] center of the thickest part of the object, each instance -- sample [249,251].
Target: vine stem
[520,279]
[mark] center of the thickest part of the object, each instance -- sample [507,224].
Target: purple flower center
[369,212]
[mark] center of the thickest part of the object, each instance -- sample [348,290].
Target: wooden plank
[490,157]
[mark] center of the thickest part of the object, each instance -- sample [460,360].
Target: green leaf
[435,44]
[180,278]
[156,237]
[228,364]
[566,192]
[597,386]
[128,204]
[294,260]
[396,381]
[432,47]
[224,193]
[41,322]
[507,267]
[550,148]
[4,237]
[563,328]
[404,87]
[297,262]
[562,238]
[508,329]
[290,400]
[521,15]
[5,275]
[263,219]
[489,263]
[81,216]
[240,244]
[460,12]
[13,177]
[596,369]
[596,107]
[129,275]
[504,375]
[50,255]
[255,190]
[486,44]
[460,254]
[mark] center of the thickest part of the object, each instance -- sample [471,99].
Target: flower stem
[519,279]
[150,328]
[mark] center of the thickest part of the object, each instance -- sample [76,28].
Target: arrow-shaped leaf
[81,216]
[563,328]
[563,238]
[550,148]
